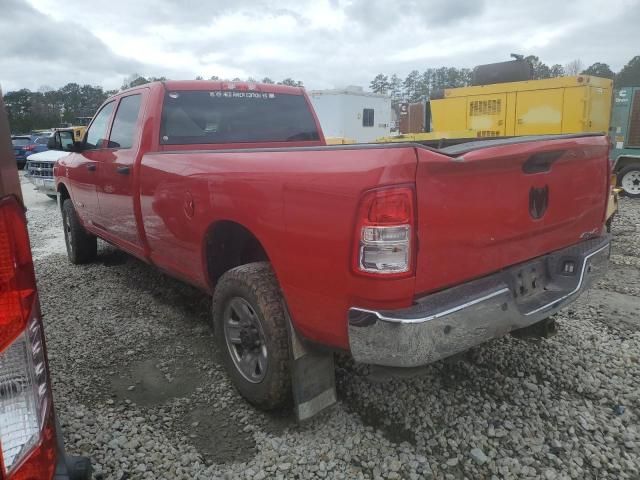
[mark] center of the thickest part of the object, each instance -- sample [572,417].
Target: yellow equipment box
[555,105]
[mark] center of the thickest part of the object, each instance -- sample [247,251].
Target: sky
[324,43]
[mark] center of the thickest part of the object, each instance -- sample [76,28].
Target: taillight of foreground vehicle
[27,431]
[385,231]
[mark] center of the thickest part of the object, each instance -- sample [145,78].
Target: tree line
[422,85]
[48,108]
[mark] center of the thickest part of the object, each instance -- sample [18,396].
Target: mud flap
[313,378]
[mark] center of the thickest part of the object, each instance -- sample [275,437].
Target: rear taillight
[385,232]
[29,148]
[27,433]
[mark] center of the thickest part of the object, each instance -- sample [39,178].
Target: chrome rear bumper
[453,320]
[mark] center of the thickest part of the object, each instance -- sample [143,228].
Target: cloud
[325,43]
[39,50]
[382,14]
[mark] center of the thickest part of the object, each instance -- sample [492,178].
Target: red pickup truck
[397,253]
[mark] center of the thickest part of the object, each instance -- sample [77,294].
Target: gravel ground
[138,387]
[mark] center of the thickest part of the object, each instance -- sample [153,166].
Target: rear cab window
[227,116]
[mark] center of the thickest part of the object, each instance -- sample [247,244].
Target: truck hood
[47,156]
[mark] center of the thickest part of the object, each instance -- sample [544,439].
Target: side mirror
[77,147]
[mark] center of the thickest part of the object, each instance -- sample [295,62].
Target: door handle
[91,167]
[122,170]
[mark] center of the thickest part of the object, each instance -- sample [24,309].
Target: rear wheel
[630,180]
[251,333]
[82,247]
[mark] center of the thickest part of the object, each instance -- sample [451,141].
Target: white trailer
[352,113]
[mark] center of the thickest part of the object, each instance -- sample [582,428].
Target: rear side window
[124,123]
[42,140]
[98,130]
[191,117]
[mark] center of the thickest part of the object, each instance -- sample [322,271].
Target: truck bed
[473,212]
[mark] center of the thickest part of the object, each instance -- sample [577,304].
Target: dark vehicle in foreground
[397,253]
[31,446]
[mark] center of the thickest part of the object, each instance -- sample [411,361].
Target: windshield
[197,117]
[20,142]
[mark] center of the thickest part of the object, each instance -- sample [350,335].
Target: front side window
[223,116]
[367,117]
[124,123]
[97,132]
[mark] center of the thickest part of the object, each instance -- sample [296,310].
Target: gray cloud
[325,44]
[385,14]
[39,50]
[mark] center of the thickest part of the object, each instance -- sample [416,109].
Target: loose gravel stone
[478,456]
[566,407]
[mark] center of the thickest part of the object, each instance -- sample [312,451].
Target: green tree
[629,76]
[380,84]
[599,69]
[267,80]
[557,70]
[395,87]
[423,88]
[410,86]
[18,105]
[48,109]
[540,70]
[291,82]
[466,76]
[133,80]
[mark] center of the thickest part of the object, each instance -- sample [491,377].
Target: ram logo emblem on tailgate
[538,201]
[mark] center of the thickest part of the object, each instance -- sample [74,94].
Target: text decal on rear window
[228,94]
[221,116]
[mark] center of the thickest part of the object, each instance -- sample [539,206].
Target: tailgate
[498,206]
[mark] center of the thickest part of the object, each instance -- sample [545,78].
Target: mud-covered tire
[256,284]
[82,247]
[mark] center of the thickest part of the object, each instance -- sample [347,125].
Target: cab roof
[222,85]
